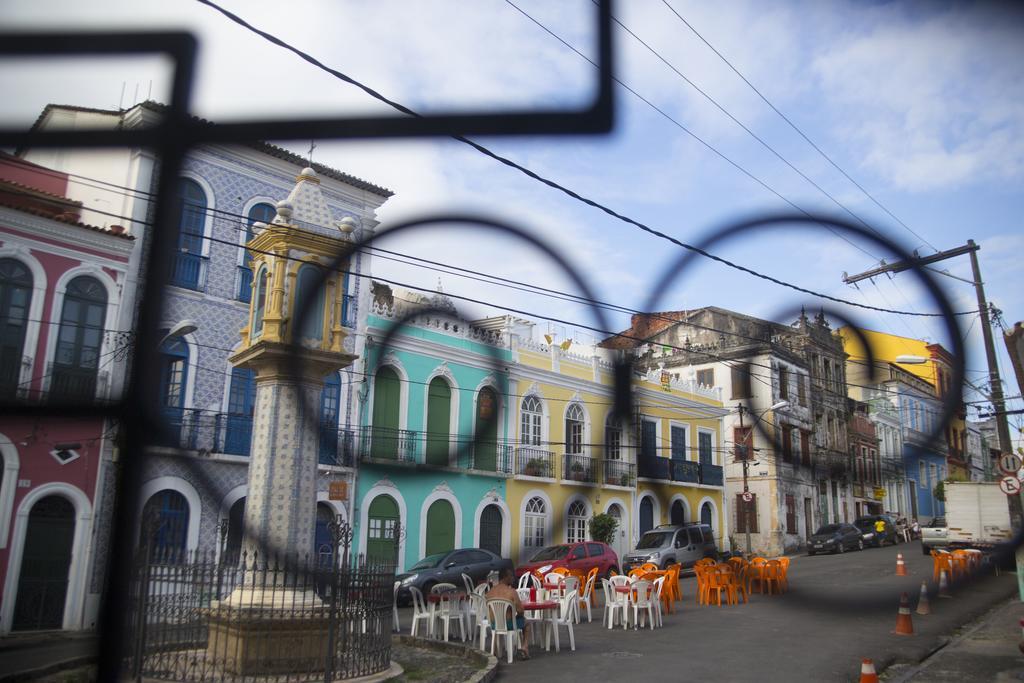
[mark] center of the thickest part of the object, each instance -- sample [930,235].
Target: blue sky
[921,103]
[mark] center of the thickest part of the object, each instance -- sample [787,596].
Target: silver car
[673,544]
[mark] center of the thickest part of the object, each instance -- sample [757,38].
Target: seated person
[504,591]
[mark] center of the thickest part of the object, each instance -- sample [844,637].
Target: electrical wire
[550,183]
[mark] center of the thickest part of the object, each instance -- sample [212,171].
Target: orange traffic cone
[901,566]
[867,672]
[944,585]
[904,624]
[923,606]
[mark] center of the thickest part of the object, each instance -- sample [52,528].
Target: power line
[550,183]
[796,128]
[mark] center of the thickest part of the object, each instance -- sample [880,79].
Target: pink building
[61,287]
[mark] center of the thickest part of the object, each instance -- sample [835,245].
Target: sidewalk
[30,656]
[984,650]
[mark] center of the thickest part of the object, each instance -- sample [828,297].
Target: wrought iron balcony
[70,383]
[337,446]
[189,271]
[386,443]
[712,475]
[533,461]
[581,468]
[619,473]
[488,456]
[685,471]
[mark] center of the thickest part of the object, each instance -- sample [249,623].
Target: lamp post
[745,451]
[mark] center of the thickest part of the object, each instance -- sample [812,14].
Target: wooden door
[440,528]
[439,414]
[490,529]
[485,446]
[380,537]
[45,563]
[386,397]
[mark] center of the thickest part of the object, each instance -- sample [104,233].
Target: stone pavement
[27,657]
[985,650]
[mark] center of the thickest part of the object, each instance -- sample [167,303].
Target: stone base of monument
[268,630]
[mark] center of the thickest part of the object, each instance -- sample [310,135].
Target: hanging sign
[338,490]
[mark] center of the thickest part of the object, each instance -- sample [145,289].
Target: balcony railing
[581,468]
[488,456]
[533,461]
[386,443]
[337,446]
[72,383]
[619,473]
[237,434]
[686,471]
[189,271]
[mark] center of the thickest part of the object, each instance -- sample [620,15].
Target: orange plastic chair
[649,567]
[721,579]
[772,576]
[784,561]
[675,591]
[739,582]
[561,570]
[964,560]
[705,562]
[593,593]
[755,572]
[637,573]
[940,562]
[701,571]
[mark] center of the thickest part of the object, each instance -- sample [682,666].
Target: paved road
[840,609]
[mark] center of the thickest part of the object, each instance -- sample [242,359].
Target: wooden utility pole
[995,384]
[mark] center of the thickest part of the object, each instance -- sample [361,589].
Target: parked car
[868,525]
[581,557]
[673,544]
[449,567]
[835,538]
[934,534]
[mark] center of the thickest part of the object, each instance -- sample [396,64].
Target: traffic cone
[901,566]
[867,671]
[944,585]
[923,607]
[904,624]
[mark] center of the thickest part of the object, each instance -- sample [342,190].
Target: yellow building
[937,371]
[574,458]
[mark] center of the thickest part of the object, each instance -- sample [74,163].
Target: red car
[580,557]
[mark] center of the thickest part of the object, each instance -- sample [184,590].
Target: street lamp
[179,330]
[908,359]
[746,466]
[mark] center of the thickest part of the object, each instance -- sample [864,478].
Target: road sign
[747,496]
[1010,485]
[1009,463]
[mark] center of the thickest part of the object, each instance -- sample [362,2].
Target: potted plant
[535,467]
[624,480]
[576,472]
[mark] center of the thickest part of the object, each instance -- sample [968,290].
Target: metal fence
[220,617]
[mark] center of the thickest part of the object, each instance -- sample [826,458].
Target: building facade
[784,384]
[196,469]
[433,444]
[61,307]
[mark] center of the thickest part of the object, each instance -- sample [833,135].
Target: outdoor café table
[549,611]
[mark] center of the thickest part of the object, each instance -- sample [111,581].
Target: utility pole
[995,384]
[996,390]
[744,449]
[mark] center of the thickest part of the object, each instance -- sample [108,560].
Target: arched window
[259,213]
[76,362]
[532,414]
[189,267]
[15,296]
[613,437]
[323,546]
[236,531]
[707,515]
[439,414]
[165,526]
[534,526]
[646,515]
[677,514]
[309,304]
[577,523]
[173,380]
[261,303]
[574,430]
[330,404]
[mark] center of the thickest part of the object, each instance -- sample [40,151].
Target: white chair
[567,608]
[571,583]
[395,626]
[478,603]
[641,592]
[659,586]
[468,582]
[614,605]
[585,598]
[440,588]
[553,580]
[620,580]
[466,605]
[535,582]
[420,612]
[500,613]
[482,589]
[449,610]
[492,578]
[524,580]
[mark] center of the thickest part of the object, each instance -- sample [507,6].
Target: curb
[32,674]
[487,660]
